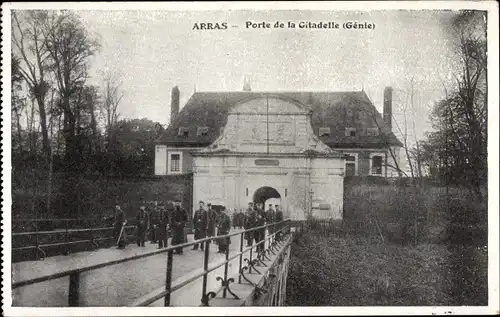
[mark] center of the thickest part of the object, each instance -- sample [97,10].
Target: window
[372,131]
[351,164]
[183,131]
[350,132]
[175,162]
[325,131]
[202,131]
[376,164]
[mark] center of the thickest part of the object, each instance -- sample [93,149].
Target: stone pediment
[269,124]
[271,104]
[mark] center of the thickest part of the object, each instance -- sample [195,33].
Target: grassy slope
[346,271]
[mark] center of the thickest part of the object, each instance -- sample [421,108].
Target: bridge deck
[116,285]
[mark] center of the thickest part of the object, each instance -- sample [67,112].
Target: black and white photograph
[286,158]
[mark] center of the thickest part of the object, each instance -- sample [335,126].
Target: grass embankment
[338,270]
[397,245]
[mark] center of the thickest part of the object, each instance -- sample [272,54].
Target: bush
[337,270]
[93,196]
[405,214]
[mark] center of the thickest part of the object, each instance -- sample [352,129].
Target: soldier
[249,223]
[241,219]
[270,218]
[119,223]
[259,234]
[234,219]
[162,221]
[141,226]
[178,223]
[211,221]
[223,226]
[278,217]
[200,225]
[153,222]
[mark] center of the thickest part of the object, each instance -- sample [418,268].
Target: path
[121,284]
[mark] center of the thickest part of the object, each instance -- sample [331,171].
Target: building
[292,146]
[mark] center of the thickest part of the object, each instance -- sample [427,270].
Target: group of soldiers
[154,225]
[206,221]
[256,216]
[159,222]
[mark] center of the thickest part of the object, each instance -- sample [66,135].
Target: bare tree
[112,95]
[471,81]
[404,131]
[18,102]
[31,45]
[460,119]
[69,46]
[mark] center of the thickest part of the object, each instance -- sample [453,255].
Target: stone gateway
[263,148]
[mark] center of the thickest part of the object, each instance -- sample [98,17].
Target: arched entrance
[265,193]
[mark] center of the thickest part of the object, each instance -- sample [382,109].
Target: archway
[262,194]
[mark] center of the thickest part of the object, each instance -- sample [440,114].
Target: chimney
[388,107]
[174,104]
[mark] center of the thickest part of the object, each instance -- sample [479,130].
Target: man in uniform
[200,225]
[248,223]
[211,221]
[223,226]
[234,219]
[141,226]
[161,227]
[270,218]
[241,219]
[179,220]
[260,234]
[153,219]
[119,223]
[278,218]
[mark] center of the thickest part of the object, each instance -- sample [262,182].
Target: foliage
[95,195]
[339,270]
[61,124]
[456,152]
[415,215]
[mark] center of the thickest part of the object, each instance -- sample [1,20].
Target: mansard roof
[334,110]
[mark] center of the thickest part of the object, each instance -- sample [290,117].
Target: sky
[153,51]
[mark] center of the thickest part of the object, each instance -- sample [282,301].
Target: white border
[493,157]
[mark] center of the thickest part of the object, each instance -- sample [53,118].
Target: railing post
[204,298]
[168,280]
[241,257]
[74,286]
[66,237]
[224,291]
[271,234]
[250,266]
[37,240]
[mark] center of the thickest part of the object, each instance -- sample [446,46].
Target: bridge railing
[275,240]
[38,238]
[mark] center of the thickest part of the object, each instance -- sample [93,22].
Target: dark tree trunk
[43,123]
